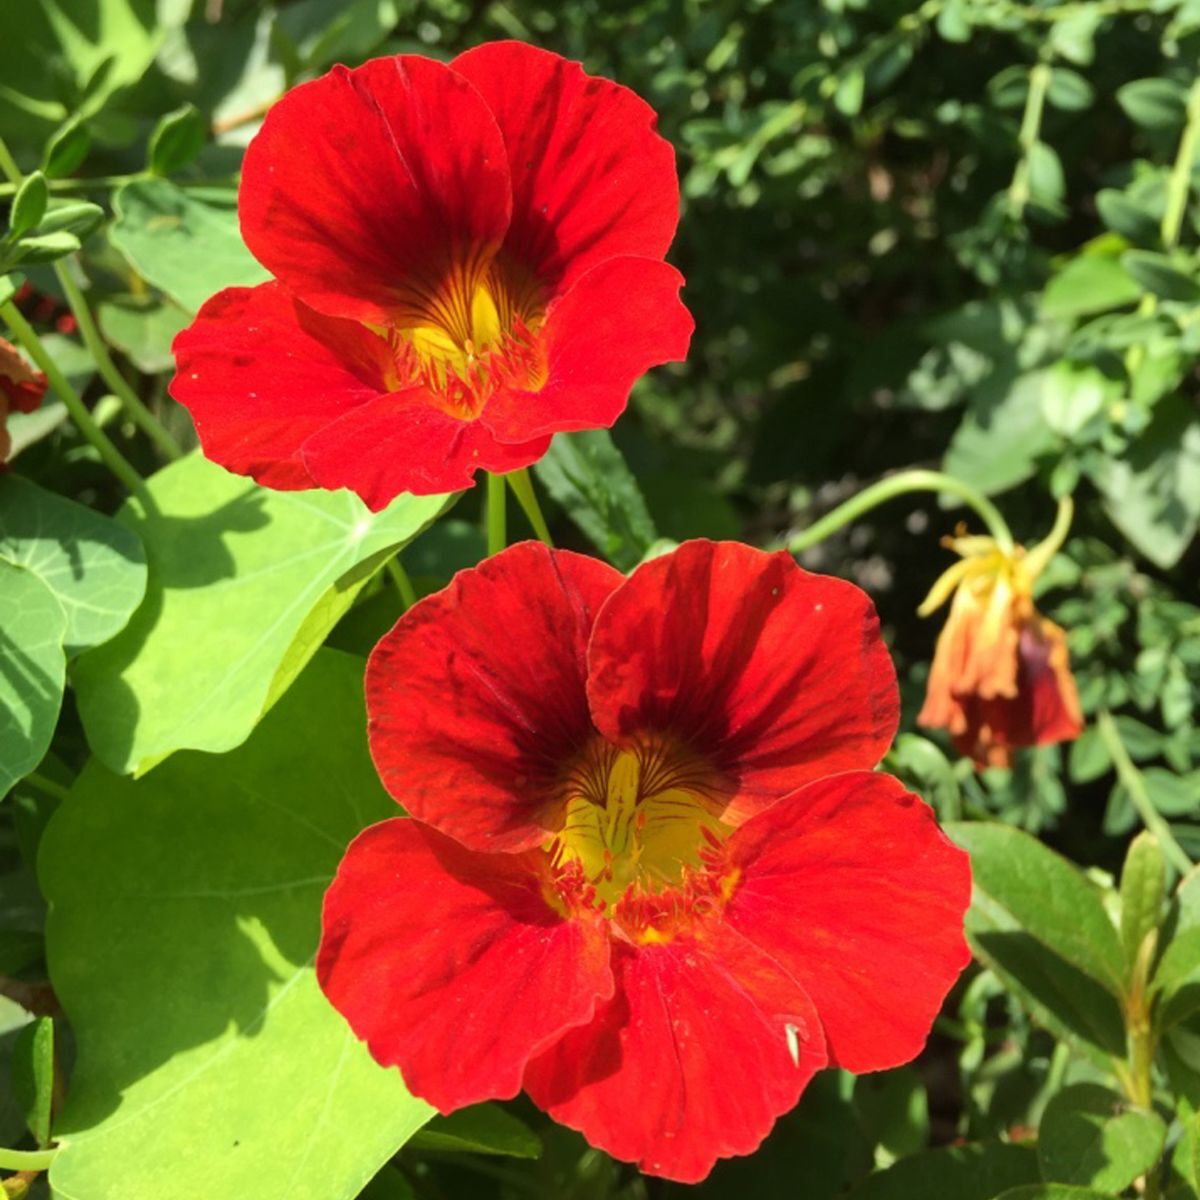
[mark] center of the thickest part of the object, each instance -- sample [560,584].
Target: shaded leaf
[186,243]
[244,584]
[247,1082]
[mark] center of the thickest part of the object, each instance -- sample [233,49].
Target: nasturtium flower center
[468,331]
[641,837]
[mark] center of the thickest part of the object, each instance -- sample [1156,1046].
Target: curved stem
[497,494]
[1135,785]
[522,487]
[900,485]
[141,416]
[408,593]
[112,457]
[26,1160]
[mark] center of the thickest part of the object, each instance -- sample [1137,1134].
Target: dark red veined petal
[451,965]
[705,1043]
[260,373]
[850,885]
[619,320]
[775,675]
[402,443]
[591,179]
[476,699]
[364,183]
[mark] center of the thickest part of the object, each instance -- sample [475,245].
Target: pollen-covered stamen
[468,329]
[643,828]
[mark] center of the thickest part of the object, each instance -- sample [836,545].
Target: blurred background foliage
[961,234]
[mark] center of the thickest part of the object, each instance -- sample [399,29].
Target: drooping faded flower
[1001,674]
[467,260]
[21,388]
[649,875]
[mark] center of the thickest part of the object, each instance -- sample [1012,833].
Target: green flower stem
[1135,785]
[1027,137]
[55,790]
[141,416]
[522,487]
[112,457]
[1179,184]
[900,485]
[497,494]
[408,593]
[1178,188]
[26,1160]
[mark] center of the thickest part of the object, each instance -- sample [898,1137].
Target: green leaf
[1074,394]
[66,150]
[1143,884]
[1091,283]
[76,217]
[33,670]
[972,1172]
[244,584]
[185,911]
[1154,103]
[177,139]
[29,204]
[186,243]
[1069,90]
[1041,925]
[1125,216]
[1053,1191]
[1176,982]
[94,567]
[480,1129]
[1186,1159]
[143,330]
[1152,495]
[1090,1137]
[1167,278]
[45,247]
[33,1076]
[998,447]
[895,1110]
[925,769]
[586,474]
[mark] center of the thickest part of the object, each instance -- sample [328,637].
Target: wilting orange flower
[1001,677]
[21,388]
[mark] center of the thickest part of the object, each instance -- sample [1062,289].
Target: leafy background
[958,234]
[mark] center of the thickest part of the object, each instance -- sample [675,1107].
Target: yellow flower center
[641,836]
[465,331]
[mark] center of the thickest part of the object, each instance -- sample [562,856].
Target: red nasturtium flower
[467,260]
[649,875]
[21,388]
[1001,674]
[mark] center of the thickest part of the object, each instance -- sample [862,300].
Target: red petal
[850,884]
[706,1042]
[401,443]
[260,373]
[621,318]
[451,965]
[591,179]
[21,384]
[361,179]
[776,675]
[476,698]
